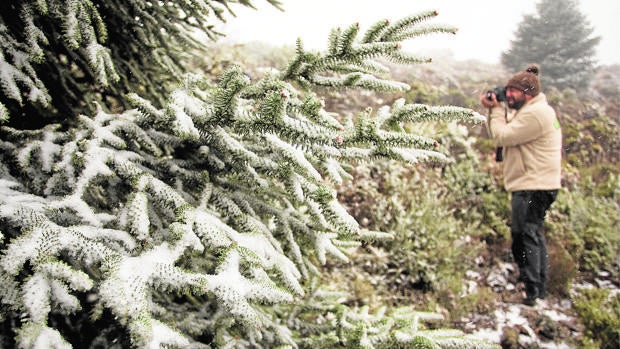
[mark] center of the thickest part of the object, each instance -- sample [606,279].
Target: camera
[500,93]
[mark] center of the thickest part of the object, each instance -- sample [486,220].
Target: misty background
[485,27]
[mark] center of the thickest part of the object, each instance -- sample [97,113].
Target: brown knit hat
[526,81]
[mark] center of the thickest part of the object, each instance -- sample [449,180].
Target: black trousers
[529,248]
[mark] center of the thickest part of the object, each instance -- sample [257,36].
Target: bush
[424,227]
[438,215]
[562,268]
[599,311]
[588,226]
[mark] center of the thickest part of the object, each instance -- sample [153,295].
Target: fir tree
[203,221]
[59,56]
[558,38]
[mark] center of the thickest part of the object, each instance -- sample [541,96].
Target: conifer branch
[85,44]
[358,327]
[18,71]
[391,32]
[220,194]
[350,62]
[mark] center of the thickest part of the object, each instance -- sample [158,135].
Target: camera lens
[500,93]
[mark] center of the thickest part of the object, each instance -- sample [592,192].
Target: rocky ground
[550,323]
[496,313]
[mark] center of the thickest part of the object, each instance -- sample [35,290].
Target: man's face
[515,98]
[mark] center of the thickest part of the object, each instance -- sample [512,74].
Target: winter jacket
[532,142]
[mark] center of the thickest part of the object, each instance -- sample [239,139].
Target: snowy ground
[550,323]
[515,316]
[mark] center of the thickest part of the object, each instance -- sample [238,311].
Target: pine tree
[60,56]
[559,39]
[203,221]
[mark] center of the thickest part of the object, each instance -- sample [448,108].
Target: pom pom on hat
[526,81]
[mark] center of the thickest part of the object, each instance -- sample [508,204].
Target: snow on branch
[222,197]
[352,62]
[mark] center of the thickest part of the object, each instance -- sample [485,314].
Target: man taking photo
[531,140]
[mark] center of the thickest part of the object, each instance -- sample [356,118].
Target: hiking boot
[532,294]
[529,301]
[542,294]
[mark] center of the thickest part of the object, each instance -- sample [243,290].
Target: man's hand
[492,103]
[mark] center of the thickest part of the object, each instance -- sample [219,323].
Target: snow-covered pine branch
[197,220]
[354,62]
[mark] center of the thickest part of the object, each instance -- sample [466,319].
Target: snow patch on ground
[512,316]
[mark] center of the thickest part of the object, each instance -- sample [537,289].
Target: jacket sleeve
[523,128]
[495,113]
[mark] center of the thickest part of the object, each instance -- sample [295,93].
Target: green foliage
[426,92]
[190,223]
[64,56]
[437,217]
[558,38]
[588,226]
[345,51]
[422,225]
[590,142]
[421,92]
[340,326]
[562,264]
[599,311]
[204,216]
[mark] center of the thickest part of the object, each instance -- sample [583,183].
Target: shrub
[588,227]
[599,310]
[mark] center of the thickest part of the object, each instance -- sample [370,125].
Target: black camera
[500,93]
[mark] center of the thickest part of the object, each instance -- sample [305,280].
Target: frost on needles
[206,221]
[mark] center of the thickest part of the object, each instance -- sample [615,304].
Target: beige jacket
[532,142]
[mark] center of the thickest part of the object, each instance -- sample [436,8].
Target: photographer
[531,139]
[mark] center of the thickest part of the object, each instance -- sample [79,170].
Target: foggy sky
[485,27]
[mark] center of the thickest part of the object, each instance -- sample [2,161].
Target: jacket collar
[540,97]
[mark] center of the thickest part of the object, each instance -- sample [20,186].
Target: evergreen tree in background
[558,38]
[201,217]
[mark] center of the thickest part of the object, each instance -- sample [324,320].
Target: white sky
[486,27]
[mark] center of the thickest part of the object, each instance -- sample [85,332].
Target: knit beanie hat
[526,81]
